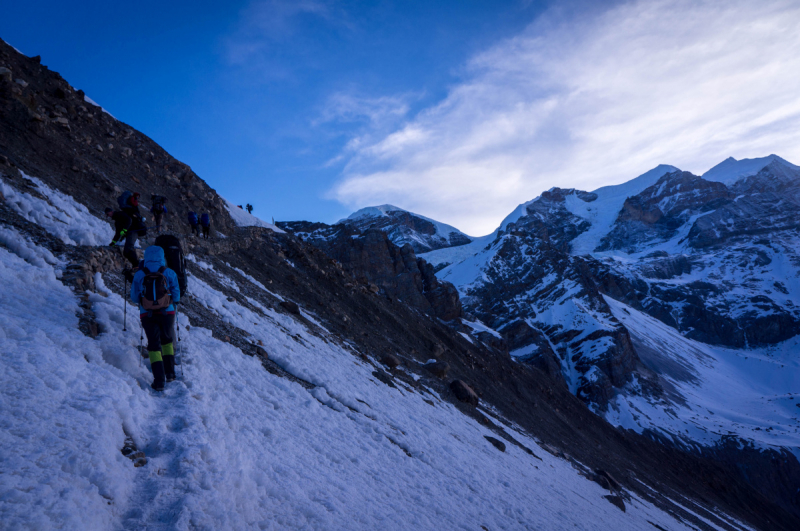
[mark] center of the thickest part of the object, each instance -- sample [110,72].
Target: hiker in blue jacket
[205,222]
[193,224]
[156,285]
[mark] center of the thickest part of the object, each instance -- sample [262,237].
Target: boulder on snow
[606,480]
[616,501]
[383,377]
[438,368]
[390,360]
[500,445]
[290,307]
[464,393]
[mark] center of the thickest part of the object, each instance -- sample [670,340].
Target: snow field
[242,218]
[751,394]
[59,214]
[232,446]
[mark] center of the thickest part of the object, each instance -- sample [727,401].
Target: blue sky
[456,110]
[260,97]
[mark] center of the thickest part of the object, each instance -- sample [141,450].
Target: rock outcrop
[373,259]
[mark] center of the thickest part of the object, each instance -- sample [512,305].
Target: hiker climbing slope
[205,222]
[122,222]
[159,210]
[156,290]
[129,205]
[193,223]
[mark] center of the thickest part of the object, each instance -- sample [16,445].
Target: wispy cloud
[264,24]
[592,99]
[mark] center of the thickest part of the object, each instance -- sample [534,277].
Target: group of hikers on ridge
[129,224]
[157,282]
[204,222]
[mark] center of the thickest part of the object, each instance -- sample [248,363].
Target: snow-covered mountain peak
[731,170]
[403,227]
[374,212]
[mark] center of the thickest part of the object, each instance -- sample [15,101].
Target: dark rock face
[390,360]
[549,220]
[656,213]
[766,204]
[733,239]
[500,445]
[438,369]
[464,393]
[547,305]
[372,258]
[290,307]
[91,156]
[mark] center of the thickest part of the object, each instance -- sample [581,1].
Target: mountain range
[623,358]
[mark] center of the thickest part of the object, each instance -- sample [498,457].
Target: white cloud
[589,100]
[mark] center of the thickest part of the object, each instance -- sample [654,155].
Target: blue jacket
[153,260]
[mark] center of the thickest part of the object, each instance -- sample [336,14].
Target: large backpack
[192,218]
[122,200]
[174,256]
[205,220]
[155,292]
[157,199]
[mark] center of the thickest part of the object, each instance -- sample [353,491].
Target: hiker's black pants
[205,231]
[195,229]
[129,251]
[159,329]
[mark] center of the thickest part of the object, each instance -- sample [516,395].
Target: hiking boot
[169,368]
[168,355]
[158,375]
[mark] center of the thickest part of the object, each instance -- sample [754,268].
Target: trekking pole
[180,347]
[141,339]
[125,308]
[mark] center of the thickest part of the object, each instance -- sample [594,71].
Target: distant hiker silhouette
[156,290]
[205,222]
[159,209]
[193,223]
[249,208]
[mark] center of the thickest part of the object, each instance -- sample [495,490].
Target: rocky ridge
[372,258]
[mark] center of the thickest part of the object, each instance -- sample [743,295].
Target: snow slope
[242,218]
[59,214]
[712,391]
[603,211]
[731,170]
[232,446]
